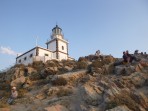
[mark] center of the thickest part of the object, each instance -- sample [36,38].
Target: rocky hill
[89,84]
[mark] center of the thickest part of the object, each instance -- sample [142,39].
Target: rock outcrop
[90,84]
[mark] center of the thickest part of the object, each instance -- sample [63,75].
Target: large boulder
[18,82]
[139,68]
[138,78]
[141,99]
[123,70]
[91,95]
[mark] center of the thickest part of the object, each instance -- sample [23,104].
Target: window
[25,58]
[46,54]
[20,61]
[62,47]
[31,55]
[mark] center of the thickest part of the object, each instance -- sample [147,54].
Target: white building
[57,48]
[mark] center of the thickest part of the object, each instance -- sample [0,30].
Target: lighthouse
[57,44]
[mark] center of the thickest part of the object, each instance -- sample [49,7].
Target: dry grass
[64,92]
[62,70]
[52,63]
[59,82]
[82,59]
[3,104]
[21,66]
[22,92]
[123,99]
[38,65]
[35,76]
[69,63]
[81,65]
[97,64]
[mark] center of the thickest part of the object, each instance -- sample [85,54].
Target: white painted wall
[57,36]
[54,55]
[62,56]
[61,43]
[28,58]
[43,54]
[52,46]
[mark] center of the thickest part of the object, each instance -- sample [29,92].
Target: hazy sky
[111,26]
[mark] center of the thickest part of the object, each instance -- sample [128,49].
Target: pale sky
[111,26]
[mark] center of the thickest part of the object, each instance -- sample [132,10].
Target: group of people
[128,58]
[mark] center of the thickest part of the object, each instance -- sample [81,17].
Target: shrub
[22,92]
[97,63]
[35,76]
[68,63]
[111,105]
[6,94]
[4,86]
[38,65]
[64,92]
[59,82]
[62,70]
[3,104]
[82,59]
[50,63]
[42,82]
[21,66]
[81,65]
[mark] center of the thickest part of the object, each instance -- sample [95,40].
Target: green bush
[59,82]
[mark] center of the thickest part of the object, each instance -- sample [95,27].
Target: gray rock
[18,82]
[91,96]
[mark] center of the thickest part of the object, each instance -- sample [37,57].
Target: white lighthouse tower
[57,44]
[57,48]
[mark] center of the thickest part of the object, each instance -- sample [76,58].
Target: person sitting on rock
[124,57]
[136,52]
[97,53]
[13,96]
[128,57]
